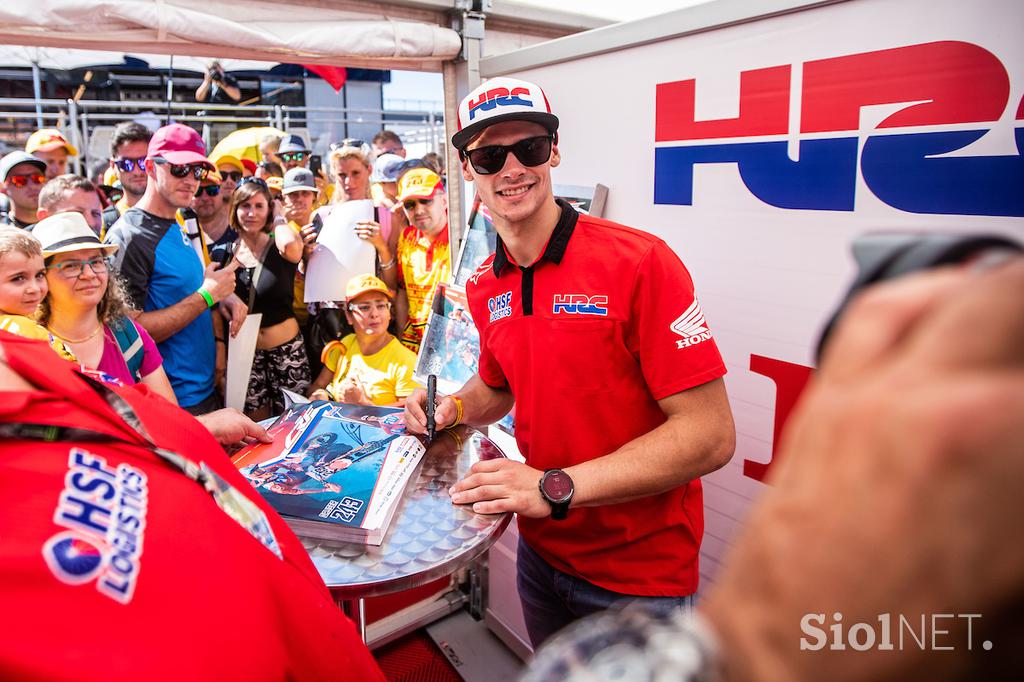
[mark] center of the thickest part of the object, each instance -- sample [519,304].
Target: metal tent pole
[37,87]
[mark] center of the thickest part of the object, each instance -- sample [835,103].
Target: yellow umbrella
[244,143]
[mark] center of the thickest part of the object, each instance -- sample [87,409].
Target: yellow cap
[228,159]
[48,139]
[361,284]
[110,176]
[419,182]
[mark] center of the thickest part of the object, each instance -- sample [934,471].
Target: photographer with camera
[218,87]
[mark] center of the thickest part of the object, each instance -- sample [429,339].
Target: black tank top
[274,290]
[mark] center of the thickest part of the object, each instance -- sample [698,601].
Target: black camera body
[887,255]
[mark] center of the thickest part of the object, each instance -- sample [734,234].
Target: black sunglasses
[533,151]
[128,165]
[230,175]
[208,190]
[410,204]
[197,170]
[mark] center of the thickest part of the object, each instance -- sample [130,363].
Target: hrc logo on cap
[496,97]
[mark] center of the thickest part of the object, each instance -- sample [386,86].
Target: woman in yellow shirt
[369,367]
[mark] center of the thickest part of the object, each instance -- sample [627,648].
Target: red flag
[334,75]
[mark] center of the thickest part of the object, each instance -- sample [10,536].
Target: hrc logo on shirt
[580,304]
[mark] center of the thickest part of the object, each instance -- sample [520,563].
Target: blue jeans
[552,599]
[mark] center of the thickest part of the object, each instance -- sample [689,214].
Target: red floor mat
[415,658]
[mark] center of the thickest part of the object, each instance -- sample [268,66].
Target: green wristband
[206,297]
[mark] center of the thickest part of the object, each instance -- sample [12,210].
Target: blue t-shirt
[160,268]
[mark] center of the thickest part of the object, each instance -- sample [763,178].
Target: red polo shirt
[588,339]
[115,565]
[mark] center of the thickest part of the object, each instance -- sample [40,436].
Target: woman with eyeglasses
[87,309]
[369,367]
[265,278]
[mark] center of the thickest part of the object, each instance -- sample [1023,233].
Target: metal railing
[79,120]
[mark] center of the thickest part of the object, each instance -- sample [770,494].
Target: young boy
[23,286]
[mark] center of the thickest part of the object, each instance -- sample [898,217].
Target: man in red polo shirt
[119,564]
[595,333]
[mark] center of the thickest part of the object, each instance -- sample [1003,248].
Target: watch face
[557,485]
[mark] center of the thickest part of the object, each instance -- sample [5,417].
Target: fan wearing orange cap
[423,255]
[369,367]
[53,149]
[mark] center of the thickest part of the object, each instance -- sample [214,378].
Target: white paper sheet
[241,350]
[339,255]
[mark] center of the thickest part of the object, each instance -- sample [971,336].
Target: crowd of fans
[145,270]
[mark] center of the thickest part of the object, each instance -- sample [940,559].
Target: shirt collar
[557,243]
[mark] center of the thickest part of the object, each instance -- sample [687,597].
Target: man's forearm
[698,438]
[203,90]
[166,322]
[482,404]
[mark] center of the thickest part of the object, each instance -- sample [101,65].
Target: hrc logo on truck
[496,97]
[947,96]
[580,304]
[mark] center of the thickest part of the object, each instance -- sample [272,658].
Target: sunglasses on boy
[208,190]
[197,170]
[293,156]
[20,180]
[128,165]
[533,151]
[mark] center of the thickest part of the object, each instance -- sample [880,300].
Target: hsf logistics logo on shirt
[103,512]
[500,306]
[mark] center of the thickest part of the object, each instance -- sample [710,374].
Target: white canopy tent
[267,31]
[64,59]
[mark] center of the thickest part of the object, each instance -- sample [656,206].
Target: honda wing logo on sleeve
[691,326]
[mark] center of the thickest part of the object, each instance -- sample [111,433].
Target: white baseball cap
[502,99]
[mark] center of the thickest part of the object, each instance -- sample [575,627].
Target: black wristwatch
[557,490]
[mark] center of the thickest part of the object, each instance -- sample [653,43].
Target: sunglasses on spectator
[231,175]
[410,204]
[348,142]
[293,156]
[253,180]
[533,151]
[208,190]
[73,269]
[128,165]
[365,308]
[20,181]
[197,170]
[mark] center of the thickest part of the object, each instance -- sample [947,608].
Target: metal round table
[429,537]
